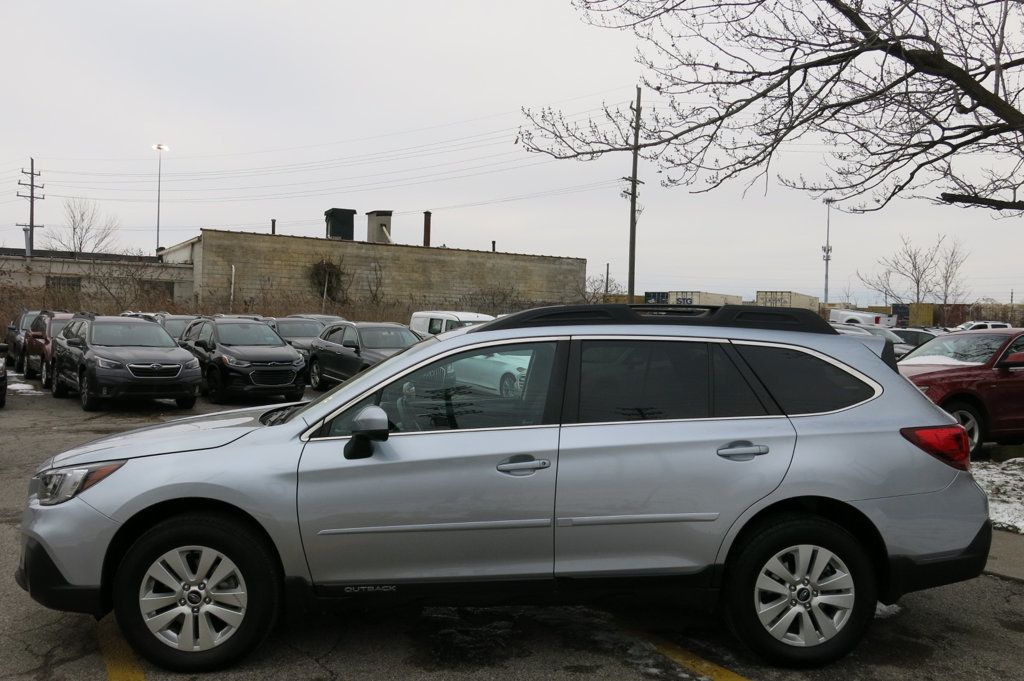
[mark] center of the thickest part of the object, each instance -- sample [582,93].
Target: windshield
[248,333]
[57,325]
[370,375]
[175,326]
[387,337]
[28,318]
[128,334]
[884,333]
[299,328]
[966,349]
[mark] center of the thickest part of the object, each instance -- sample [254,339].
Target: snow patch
[23,388]
[884,612]
[1004,484]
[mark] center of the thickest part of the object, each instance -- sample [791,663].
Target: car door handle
[521,466]
[742,451]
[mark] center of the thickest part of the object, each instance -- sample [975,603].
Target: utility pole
[273,225]
[607,269]
[159,149]
[826,250]
[30,228]
[632,194]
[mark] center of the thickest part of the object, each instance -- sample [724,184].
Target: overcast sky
[284,109]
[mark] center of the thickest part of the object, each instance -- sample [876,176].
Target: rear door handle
[523,467]
[742,450]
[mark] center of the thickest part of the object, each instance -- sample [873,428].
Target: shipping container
[787,299]
[691,298]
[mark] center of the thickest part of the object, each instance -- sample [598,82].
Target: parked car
[39,344]
[434,322]
[15,339]
[978,377]
[299,332]
[3,374]
[787,475]
[849,329]
[979,326]
[325,318]
[899,346]
[344,349]
[121,357]
[858,317]
[240,356]
[174,324]
[916,336]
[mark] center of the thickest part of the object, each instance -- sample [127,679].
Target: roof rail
[739,316]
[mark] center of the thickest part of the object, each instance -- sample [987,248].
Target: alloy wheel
[804,595]
[44,374]
[970,424]
[314,375]
[193,598]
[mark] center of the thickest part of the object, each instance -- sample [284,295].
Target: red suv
[978,377]
[39,344]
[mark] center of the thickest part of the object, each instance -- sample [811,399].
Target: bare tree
[910,275]
[905,97]
[595,289]
[849,295]
[85,229]
[950,288]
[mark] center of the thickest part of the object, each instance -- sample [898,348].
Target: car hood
[189,434]
[137,355]
[262,353]
[922,372]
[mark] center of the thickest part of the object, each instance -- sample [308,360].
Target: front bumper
[264,380]
[115,383]
[915,573]
[39,576]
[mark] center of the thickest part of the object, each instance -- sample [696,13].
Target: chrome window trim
[690,420]
[864,378]
[307,434]
[442,432]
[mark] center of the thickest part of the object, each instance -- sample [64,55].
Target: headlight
[107,363]
[299,362]
[60,484]
[192,363]
[234,361]
[304,352]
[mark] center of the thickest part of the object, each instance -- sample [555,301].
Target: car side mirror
[349,343]
[205,345]
[1014,359]
[12,327]
[369,425]
[75,342]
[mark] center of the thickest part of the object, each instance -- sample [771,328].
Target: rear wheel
[316,377]
[29,371]
[801,591]
[197,592]
[19,362]
[57,387]
[968,416]
[45,373]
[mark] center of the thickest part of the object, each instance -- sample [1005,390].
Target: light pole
[826,250]
[160,149]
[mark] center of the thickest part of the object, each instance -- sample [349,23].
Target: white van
[434,322]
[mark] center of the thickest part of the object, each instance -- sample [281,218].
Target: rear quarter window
[802,383]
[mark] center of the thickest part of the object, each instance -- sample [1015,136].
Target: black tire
[215,387]
[89,400]
[234,540]
[765,542]
[29,371]
[316,377]
[57,387]
[3,397]
[965,413]
[45,373]
[185,402]
[19,362]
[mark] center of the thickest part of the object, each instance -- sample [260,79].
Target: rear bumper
[907,574]
[42,579]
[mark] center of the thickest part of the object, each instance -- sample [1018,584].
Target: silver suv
[784,474]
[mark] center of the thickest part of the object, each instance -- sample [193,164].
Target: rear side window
[802,383]
[731,394]
[436,326]
[643,380]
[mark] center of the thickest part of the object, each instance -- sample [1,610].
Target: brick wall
[269,268]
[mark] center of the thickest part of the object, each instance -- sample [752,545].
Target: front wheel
[90,402]
[29,371]
[19,362]
[45,373]
[197,592]
[316,376]
[215,391]
[57,387]
[801,591]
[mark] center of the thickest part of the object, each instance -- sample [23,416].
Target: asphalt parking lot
[971,630]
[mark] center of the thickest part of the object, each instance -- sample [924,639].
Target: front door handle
[742,450]
[521,466]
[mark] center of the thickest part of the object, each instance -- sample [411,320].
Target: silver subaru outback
[746,460]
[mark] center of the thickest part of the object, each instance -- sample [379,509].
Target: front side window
[499,387]
[1015,346]
[26,320]
[631,380]
[350,337]
[127,334]
[802,383]
[71,329]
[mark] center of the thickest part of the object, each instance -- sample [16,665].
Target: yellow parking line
[118,656]
[689,660]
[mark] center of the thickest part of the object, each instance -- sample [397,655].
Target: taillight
[948,444]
